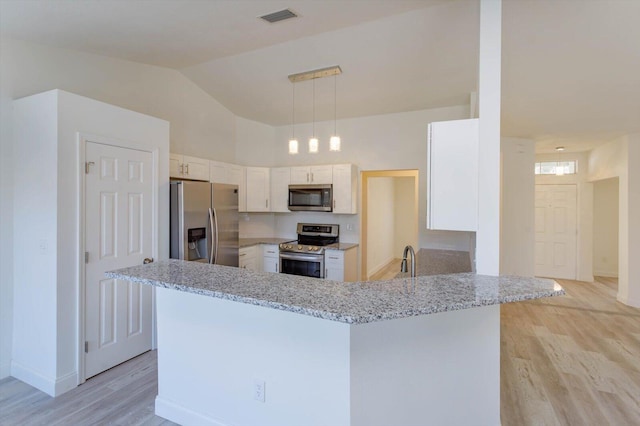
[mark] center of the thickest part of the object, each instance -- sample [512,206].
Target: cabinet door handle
[242,254]
[311,177]
[326,272]
[334,203]
[187,168]
[276,266]
[266,203]
[181,168]
[307,177]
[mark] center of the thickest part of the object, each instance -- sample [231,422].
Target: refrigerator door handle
[211,256]
[216,238]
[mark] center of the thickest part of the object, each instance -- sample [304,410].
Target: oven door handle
[304,257]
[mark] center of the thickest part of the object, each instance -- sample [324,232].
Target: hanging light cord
[293,112]
[313,130]
[335,103]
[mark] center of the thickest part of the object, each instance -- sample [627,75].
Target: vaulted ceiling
[570,68]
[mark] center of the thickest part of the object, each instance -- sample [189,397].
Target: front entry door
[118,234]
[556,231]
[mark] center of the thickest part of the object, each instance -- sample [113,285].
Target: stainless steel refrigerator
[204,222]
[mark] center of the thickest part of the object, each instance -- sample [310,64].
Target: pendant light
[559,168]
[313,141]
[293,142]
[334,142]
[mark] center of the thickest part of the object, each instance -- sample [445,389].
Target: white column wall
[517,221]
[488,234]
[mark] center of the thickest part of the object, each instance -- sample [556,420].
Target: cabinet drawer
[334,257]
[270,250]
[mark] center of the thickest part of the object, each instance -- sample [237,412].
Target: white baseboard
[5,370]
[48,385]
[178,414]
[629,302]
[607,274]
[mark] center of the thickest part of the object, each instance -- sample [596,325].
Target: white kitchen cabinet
[280,179]
[270,258]
[186,167]
[341,265]
[345,187]
[316,175]
[257,189]
[452,175]
[247,258]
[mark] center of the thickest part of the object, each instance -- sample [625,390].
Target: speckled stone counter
[248,242]
[353,303]
[341,246]
[363,346]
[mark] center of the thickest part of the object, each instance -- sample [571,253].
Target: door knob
[148,260]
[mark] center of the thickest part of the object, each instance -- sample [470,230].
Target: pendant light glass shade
[293,146]
[313,145]
[334,143]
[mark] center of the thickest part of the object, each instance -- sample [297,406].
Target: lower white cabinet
[341,265]
[247,258]
[270,258]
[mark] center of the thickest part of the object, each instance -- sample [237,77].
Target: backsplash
[283,225]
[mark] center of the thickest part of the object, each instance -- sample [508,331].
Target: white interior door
[118,218]
[556,231]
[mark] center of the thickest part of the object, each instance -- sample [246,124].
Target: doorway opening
[606,231]
[389,220]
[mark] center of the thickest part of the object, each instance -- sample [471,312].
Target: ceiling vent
[279,16]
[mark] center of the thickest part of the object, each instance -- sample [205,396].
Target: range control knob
[315,249]
[299,247]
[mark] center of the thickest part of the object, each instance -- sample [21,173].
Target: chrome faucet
[403,265]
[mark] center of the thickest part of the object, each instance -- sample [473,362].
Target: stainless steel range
[305,256]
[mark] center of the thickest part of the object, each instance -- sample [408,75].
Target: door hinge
[87,166]
[86,347]
[86,257]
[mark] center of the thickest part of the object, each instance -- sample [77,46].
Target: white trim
[606,274]
[178,414]
[49,385]
[629,302]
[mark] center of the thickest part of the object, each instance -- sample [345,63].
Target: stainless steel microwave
[317,198]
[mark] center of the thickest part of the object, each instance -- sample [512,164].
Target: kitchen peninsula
[238,347]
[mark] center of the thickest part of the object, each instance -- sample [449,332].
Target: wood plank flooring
[123,395]
[572,360]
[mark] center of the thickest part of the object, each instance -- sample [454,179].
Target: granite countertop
[352,302]
[248,242]
[341,246]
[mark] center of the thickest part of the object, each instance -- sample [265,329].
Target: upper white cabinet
[280,179]
[258,189]
[345,187]
[312,175]
[452,174]
[185,167]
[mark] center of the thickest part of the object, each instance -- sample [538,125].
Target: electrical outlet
[259,390]
[43,245]
[349,227]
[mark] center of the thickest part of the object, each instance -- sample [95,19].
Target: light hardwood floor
[572,360]
[123,395]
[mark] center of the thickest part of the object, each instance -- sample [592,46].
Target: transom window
[556,168]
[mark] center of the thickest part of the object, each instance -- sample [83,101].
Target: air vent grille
[279,16]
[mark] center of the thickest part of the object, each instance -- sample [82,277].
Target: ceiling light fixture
[313,141]
[293,142]
[334,142]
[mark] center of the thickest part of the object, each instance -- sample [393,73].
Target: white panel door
[556,231]
[118,234]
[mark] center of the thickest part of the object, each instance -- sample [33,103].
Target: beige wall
[605,227]
[381,223]
[405,228]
